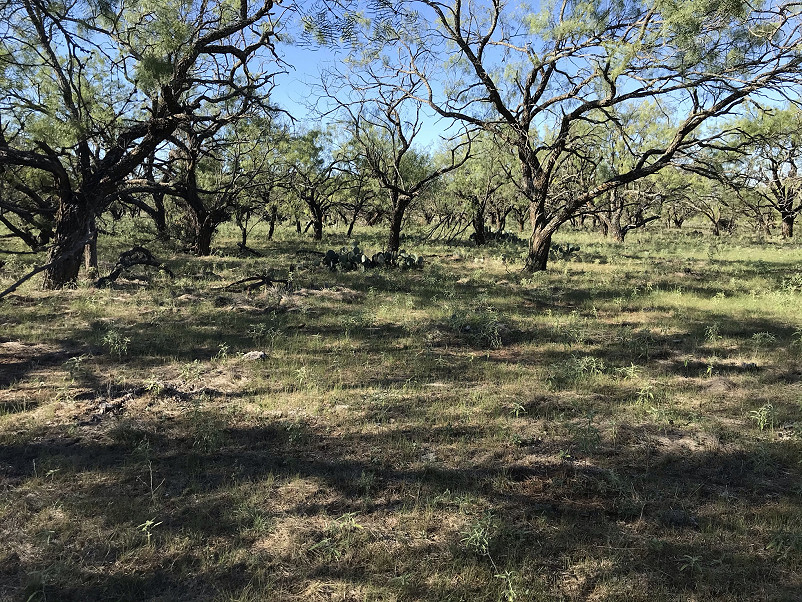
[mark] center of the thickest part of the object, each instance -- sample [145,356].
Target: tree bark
[400,204]
[203,237]
[788,225]
[90,249]
[617,233]
[273,216]
[538,257]
[71,235]
[479,224]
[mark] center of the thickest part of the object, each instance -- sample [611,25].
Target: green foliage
[147,528]
[764,416]
[478,535]
[116,342]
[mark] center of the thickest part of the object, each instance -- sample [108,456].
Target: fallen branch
[252,283]
[129,259]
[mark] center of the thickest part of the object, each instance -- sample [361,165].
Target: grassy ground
[627,426]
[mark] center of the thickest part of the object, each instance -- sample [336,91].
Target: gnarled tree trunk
[73,231]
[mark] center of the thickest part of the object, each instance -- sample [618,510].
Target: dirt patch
[18,360]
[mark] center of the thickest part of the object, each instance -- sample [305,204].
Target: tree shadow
[543,509]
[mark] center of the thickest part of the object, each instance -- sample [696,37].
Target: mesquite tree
[536,76]
[384,122]
[92,89]
[771,162]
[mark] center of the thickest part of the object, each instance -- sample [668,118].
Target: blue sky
[296,89]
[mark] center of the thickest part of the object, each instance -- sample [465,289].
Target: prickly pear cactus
[353,258]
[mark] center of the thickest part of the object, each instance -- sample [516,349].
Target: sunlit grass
[625,426]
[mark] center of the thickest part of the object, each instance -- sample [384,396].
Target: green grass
[626,426]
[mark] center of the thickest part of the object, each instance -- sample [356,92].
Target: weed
[761,340]
[341,537]
[116,342]
[147,528]
[690,563]
[587,435]
[154,385]
[764,417]
[785,543]
[297,431]
[509,593]
[222,352]
[517,409]
[192,372]
[630,372]
[207,431]
[477,536]
[76,366]
[481,327]
[713,333]
[792,283]
[257,332]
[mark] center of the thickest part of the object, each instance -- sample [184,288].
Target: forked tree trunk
[617,233]
[540,240]
[317,224]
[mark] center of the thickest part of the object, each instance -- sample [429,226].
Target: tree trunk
[788,225]
[316,211]
[159,216]
[538,257]
[203,237]
[352,221]
[479,227]
[501,220]
[272,229]
[394,240]
[90,249]
[71,235]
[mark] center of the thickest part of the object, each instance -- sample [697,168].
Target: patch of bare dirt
[18,359]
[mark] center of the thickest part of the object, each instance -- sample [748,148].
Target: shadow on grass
[656,511]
